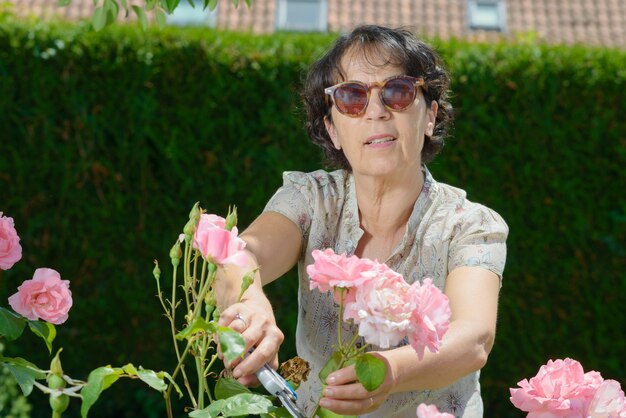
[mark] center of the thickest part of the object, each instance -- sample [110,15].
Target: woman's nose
[375,108]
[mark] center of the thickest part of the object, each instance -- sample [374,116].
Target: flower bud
[190,227]
[231,218]
[157,271]
[58,402]
[55,365]
[194,213]
[176,253]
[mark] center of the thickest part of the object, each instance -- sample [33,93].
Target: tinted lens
[398,94]
[350,98]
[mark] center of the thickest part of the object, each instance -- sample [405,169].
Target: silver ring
[238,316]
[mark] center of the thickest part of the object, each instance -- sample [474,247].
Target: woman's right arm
[273,244]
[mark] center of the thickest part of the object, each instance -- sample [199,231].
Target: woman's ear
[332,133]
[432,117]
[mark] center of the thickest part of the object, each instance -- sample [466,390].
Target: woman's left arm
[473,295]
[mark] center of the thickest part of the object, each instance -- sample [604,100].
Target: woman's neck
[386,204]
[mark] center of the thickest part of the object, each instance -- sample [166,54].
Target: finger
[352,406]
[265,352]
[249,381]
[349,391]
[342,376]
[230,313]
[251,336]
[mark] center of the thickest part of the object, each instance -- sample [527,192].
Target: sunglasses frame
[329,92]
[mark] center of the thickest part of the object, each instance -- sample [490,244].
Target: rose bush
[209,242]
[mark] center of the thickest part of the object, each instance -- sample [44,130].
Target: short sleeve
[293,200]
[480,241]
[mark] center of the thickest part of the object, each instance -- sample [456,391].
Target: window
[186,15]
[486,15]
[302,15]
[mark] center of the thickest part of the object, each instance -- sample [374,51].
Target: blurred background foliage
[107,140]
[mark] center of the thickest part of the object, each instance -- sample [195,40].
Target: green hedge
[108,139]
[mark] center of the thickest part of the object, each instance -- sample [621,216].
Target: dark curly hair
[401,48]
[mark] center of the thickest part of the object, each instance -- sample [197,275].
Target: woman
[376,104]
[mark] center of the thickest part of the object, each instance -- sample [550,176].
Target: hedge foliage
[108,139]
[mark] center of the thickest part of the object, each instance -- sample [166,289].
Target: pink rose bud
[45,297]
[10,248]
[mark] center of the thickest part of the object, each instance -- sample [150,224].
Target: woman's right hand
[253,317]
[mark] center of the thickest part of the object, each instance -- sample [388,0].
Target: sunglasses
[396,94]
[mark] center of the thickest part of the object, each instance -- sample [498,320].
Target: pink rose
[45,297]
[560,389]
[431,411]
[217,244]
[382,308]
[336,270]
[608,401]
[10,248]
[430,319]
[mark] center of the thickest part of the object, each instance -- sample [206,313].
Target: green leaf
[63,3]
[231,343]
[11,324]
[331,365]
[44,330]
[98,19]
[99,380]
[169,378]
[210,411]
[370,370]
[130,369]
[249,3]
[24,372]
[198,324]
[152,379]
[278,413]
[170,5]
[236,3]
[111,9]
[141,15]
[227,387]
[239,405]
[160,18]
[211,3]
[150,4]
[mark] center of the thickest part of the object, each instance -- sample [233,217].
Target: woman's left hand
[346,396]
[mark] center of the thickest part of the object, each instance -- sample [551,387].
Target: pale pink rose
[431,411]
[430,319]
[608,401]
[10,248]
[331,270]
[45,297]
[560,389]
[382,308]
[217,244]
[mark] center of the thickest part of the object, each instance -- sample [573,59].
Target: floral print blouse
[444,231]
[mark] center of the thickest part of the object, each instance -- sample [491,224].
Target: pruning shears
[277,386]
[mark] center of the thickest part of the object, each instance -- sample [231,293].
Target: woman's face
[380,142]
